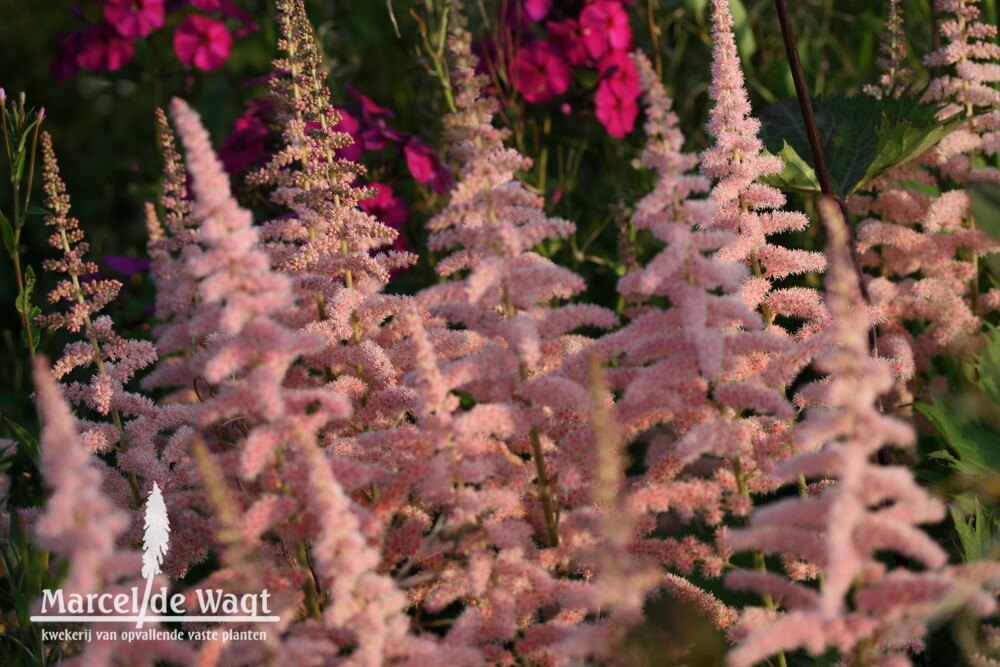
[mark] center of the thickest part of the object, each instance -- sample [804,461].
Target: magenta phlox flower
[385,206]
[373,131]
[617,69]
[229,10]
[540,72]
[371,111]
[202,42]
[520,14]
[64,65]
[425,165]
[567,36]
[350,125]
[616,108]
[134,19]
[102,49]
[250,140]
[605,27]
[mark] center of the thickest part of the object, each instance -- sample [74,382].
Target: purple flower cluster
[543,57]
[201,38]
[252,142]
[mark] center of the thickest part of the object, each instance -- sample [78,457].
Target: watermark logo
[214,606]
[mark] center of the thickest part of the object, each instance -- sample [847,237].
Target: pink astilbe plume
[176,289]
[114,360]
[247,360]
[339,256]
[747,206]
[79,523]
[84,528]
[869,509]
[674,367]
[925,248]
[894,80]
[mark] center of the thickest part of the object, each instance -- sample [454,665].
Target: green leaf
[27,441]
[8,234]
[978,533]
[696,6]
[862,138]
[987,363]
[745,42]
[977,450]
[797,174]
[986,207]
[923,189]
[906,130]
[23,302]
[38,210]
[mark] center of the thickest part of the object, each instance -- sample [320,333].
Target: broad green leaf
[797,175]
[978,450]
[745,42]
[862,138]
[906,130]
[8,234]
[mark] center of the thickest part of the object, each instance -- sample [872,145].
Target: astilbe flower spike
[79,522]
[176,289]
[115,360]
[82,526]
[894,79]
[248,358]
[746,205]
[330,247]
[674,367]
[869,509]
[925,248]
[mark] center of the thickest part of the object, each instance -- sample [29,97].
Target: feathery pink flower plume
[736,161]
[869,509]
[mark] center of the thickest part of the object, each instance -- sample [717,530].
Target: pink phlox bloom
[425,165]
[134,19]
[540,72]
[605,27]
[385,206]
[618,69]
[229,10]
[349,125]
[616,109]
[202,42]
[567,36]
[250,140]
[521,14]
[102,49]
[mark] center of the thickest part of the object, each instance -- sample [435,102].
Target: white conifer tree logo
[155,543]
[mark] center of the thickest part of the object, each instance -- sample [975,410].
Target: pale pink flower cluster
[110,360]
[924,249]
[440,479]
[870,509]
[747,206]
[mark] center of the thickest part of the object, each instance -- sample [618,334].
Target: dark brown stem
[819,159]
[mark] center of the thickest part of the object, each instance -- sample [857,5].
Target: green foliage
[977,533]
[972,449]
[862,139]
